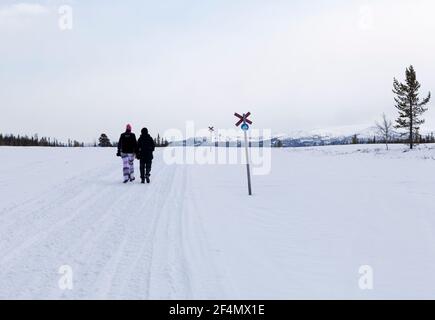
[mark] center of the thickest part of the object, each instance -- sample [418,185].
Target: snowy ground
[194,233]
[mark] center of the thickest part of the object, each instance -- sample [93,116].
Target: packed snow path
[194,233]
[121,241]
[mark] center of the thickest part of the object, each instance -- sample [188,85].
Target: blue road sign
[245,127]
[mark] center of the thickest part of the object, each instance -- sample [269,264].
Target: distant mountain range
[318,137]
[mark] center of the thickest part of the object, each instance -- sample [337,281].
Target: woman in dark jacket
[145,149]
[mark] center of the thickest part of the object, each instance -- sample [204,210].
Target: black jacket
[127,143]
[145,147]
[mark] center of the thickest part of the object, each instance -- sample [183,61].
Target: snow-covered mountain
[329,136]
[317,137]
[298,138]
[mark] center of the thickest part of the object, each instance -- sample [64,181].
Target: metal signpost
[245,122]
[211,130]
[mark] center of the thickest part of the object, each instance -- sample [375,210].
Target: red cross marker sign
[243,119]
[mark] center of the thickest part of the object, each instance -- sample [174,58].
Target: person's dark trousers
[145,168]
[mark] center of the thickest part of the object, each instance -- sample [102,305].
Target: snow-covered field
[194,233]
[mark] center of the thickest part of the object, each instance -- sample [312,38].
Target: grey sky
[296,65]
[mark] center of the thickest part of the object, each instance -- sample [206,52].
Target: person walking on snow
[145,149]
[127,147]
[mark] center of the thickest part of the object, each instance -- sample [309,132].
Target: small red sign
[243,119]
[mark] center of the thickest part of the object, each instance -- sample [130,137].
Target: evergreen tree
[408,102]
[354,139]
[104,141]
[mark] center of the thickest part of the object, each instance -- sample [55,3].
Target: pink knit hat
[128,127]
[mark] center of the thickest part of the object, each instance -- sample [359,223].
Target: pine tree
[355,139]
[104,141]
[408,102]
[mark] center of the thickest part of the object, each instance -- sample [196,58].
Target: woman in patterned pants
[127,148]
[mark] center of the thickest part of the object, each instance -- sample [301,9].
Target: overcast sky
[295,64]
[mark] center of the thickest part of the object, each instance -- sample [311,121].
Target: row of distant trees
[418,139]
[104,141]
[35,141]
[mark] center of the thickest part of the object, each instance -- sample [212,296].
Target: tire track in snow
[114,271]
[197,247]
[135,236]
[54,238]
[171,266]
[63,227]
[122,241]
[111,247]
[146,259]
[68,187]
[46,221]
[39,208]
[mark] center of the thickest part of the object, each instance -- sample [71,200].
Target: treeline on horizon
[353,139]
[35,141]
[13,140]
[417,139]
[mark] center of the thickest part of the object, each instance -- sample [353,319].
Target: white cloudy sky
[295,64]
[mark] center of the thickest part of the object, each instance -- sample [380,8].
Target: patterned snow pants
[128,165]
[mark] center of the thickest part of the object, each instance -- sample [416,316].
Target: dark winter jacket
[127,143]
[145,147]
